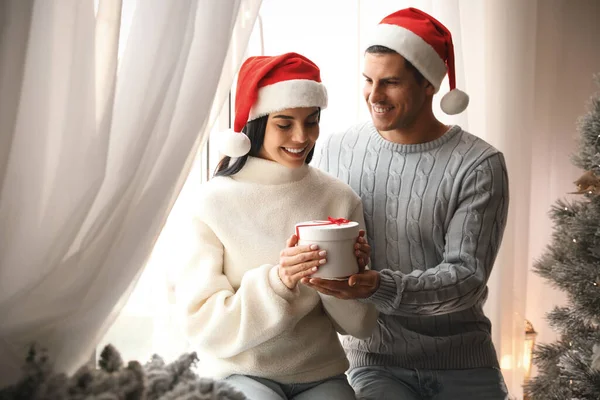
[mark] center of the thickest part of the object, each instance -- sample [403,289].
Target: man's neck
[419,132]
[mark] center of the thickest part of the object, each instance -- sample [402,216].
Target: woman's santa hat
[270,84]
[427,44]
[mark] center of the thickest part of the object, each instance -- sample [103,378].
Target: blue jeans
[390,383]
[254,388]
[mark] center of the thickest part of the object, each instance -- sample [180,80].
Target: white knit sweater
[238,314]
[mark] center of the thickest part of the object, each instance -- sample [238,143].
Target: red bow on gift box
[330,221]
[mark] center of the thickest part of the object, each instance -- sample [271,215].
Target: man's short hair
[377,49]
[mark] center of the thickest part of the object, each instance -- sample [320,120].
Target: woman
[245,310]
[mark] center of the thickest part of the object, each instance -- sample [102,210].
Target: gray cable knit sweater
[435,214]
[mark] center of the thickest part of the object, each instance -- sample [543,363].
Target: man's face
[393,95]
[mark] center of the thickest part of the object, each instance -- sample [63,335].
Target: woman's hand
[297,262]
[362,250]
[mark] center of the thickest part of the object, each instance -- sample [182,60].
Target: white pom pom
[233,144]
[454,102]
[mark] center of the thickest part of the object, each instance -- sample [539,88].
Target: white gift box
[337,237]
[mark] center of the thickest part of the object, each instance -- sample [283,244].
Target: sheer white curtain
[94,149]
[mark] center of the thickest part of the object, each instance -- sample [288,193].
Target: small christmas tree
[570,368]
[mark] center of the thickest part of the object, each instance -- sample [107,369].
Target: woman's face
[290,135]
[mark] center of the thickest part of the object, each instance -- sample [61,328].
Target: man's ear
[429,89]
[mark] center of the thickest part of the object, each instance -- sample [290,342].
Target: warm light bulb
[526,361]
[506,362]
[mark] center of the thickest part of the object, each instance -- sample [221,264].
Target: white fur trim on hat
[233,144]
[412,47]
[294,93]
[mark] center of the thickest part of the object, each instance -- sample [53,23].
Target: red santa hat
[270,84]
[427,44]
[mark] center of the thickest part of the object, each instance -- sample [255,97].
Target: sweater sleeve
[222,321]
[471,245]
[351,317]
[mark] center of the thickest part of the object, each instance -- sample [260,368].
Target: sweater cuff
[279,287]
[385,297]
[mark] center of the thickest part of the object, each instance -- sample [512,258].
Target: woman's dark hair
[255,130]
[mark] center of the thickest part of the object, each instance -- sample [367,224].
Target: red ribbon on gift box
[330,221]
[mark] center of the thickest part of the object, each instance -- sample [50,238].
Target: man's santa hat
[270,84]
[427,44]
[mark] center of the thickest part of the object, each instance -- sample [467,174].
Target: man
[435,201]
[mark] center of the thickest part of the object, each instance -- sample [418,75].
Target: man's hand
[358,286]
